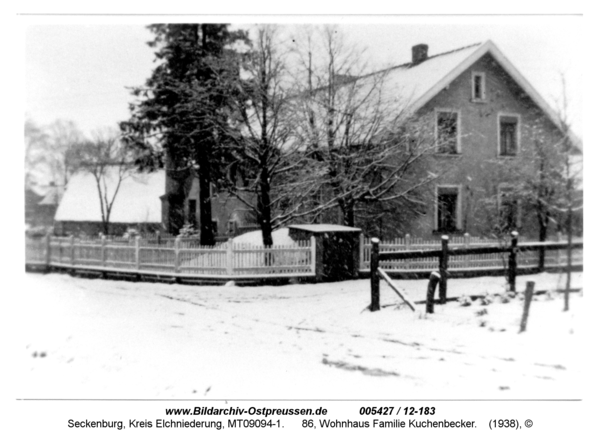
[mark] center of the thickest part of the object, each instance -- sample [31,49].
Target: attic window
[478,88]
[447,132]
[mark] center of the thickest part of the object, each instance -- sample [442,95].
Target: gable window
[478,87]
[447,209]
[447,132]
[508,136]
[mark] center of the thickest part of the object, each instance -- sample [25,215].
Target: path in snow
[92,338]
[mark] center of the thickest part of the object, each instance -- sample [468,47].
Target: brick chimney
[419,53]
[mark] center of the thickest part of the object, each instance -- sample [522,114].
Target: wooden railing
[177,259]
[513,252]
[544,256]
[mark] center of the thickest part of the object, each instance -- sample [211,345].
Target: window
[447,132]
[478,90]
[508,135]
[448,209]
[192,212]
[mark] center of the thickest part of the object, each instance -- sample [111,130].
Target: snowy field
[92,338]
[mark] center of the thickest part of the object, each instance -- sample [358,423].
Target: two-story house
[484,117]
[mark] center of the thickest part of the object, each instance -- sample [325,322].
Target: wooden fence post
[527,304]
[72,243]
[103,250]
[468,258]
[541,259]
[47,251]
[434,278]
[444,269]
[229,257]
[361,248]
[313,254]
[512,261]
[177,247]
[137,253]
[374,275]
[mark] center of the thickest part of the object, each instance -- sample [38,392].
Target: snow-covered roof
[324,228]
[416,84]
[137,201]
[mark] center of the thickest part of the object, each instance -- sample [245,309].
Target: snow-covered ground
[92,338]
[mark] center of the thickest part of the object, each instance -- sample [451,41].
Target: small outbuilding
[337,249]
[136,206]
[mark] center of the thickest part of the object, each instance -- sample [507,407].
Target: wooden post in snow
[444,269]
[512,261]
[374,276]
[434,278]
[387,279]
[527,304]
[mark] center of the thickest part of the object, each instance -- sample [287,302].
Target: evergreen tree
[175,122]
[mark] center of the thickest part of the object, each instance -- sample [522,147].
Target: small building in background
[41,204]
[137,205]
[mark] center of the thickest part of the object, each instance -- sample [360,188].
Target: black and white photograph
[302,208]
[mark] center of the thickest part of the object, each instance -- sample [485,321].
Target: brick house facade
[483,110]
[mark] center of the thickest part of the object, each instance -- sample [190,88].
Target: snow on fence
[180,258]
[487,261]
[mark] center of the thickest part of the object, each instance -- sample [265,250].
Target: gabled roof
[417,84]
[53,196]
[137,201]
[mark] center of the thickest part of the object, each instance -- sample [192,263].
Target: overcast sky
[79,70]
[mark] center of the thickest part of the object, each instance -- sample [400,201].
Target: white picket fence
[553,258]
[224,261]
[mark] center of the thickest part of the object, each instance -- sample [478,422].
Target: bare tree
[260,140]
[570,202]
[544,181]
[110,163]
[364,147]
[50,151]
[36,143]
